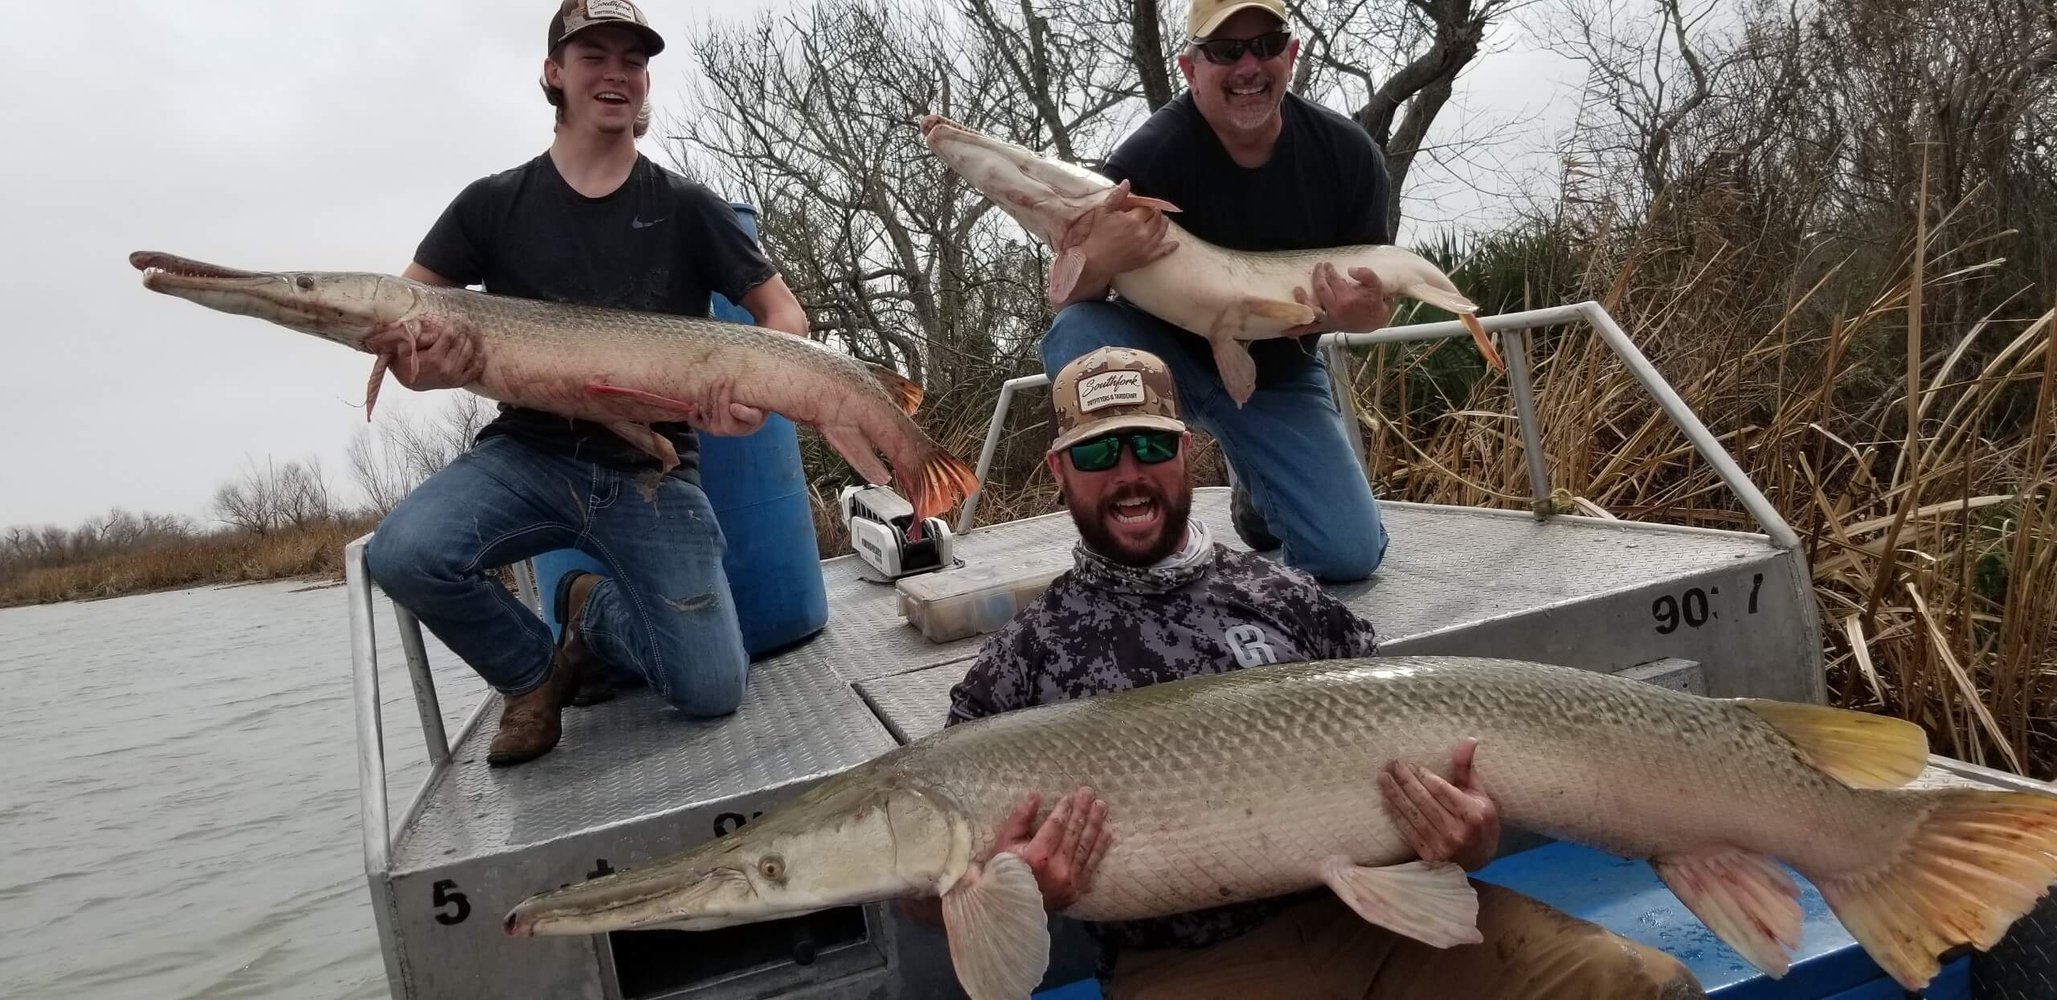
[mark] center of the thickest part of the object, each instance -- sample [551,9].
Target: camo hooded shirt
[1104,627]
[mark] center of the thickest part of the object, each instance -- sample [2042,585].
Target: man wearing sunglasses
[1151,598]
[1252,167]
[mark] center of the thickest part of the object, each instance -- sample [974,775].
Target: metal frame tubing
[1509,326]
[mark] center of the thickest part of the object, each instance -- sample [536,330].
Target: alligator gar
[623,369]
[1263,781]
[1227,296]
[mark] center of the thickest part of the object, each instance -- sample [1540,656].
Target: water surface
[180,808]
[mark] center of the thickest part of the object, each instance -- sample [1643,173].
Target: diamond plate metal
[633,758]
[913,704]
[2023,966]
[1448,569]
[1451,568]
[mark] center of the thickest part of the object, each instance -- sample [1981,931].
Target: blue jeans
[663,613]
[1287,445]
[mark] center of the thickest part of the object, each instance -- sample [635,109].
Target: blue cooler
[759,493]
[1627,898]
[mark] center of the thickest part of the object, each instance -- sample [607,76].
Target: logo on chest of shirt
[1249,645]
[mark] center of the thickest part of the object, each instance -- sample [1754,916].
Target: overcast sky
[276,136]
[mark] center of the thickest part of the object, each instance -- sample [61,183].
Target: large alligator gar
[1264,781]
[621,368]
[1227,296]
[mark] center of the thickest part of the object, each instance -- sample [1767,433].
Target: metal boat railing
[1503,327]
[364,679]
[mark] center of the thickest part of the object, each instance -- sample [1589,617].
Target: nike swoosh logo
[640,224]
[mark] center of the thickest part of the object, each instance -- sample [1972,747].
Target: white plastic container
[953,604]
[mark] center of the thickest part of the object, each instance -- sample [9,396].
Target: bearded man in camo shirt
[1150,598]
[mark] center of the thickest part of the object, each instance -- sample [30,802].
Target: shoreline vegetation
[1847,270]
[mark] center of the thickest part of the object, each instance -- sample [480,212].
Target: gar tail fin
[1978,862]
[938,482]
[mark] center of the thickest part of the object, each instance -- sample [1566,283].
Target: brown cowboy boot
[595,686]
[530,724]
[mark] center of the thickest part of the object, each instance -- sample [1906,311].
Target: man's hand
[1443,820]
[722,416]
[1065,851]
[1340,303]
[434,355]
[1126,239]
[1115,242]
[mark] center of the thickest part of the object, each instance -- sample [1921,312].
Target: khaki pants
[1322,949]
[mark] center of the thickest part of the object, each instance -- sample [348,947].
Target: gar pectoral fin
[1064,273]
[1142,201]
[1430,901]
[648,441]
[1744,898]
[999,932]
[1485,343]
[371,387]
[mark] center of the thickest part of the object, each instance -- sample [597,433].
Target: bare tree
[270,496]
[251,502]
[303,494]
[812,115]
[405,450]
[1396,64]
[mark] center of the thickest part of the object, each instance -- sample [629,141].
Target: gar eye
[772,867]
[306,283]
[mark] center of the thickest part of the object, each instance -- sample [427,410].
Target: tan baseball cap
[1111,389]
[574,16]
[1204,16]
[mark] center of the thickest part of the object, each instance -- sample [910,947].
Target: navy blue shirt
[1324,186]
[657,243]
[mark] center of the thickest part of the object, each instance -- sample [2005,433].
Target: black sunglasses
[1101,453]
[1225,51]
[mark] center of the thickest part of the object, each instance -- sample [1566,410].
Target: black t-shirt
[657,243]
[1325,185]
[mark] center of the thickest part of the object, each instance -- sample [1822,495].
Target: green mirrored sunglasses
[1101,453]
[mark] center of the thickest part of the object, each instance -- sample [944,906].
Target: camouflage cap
[1113,388]
[574,16]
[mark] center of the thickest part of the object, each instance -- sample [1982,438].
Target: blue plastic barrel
[759,492]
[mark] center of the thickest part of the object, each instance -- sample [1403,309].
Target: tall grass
[1916,461]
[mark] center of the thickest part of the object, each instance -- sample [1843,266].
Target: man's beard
[1173,511]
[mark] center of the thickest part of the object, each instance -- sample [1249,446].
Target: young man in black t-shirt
[1253,167]
[589,221]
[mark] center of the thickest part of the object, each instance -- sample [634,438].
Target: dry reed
[314,551]
[1925,502]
